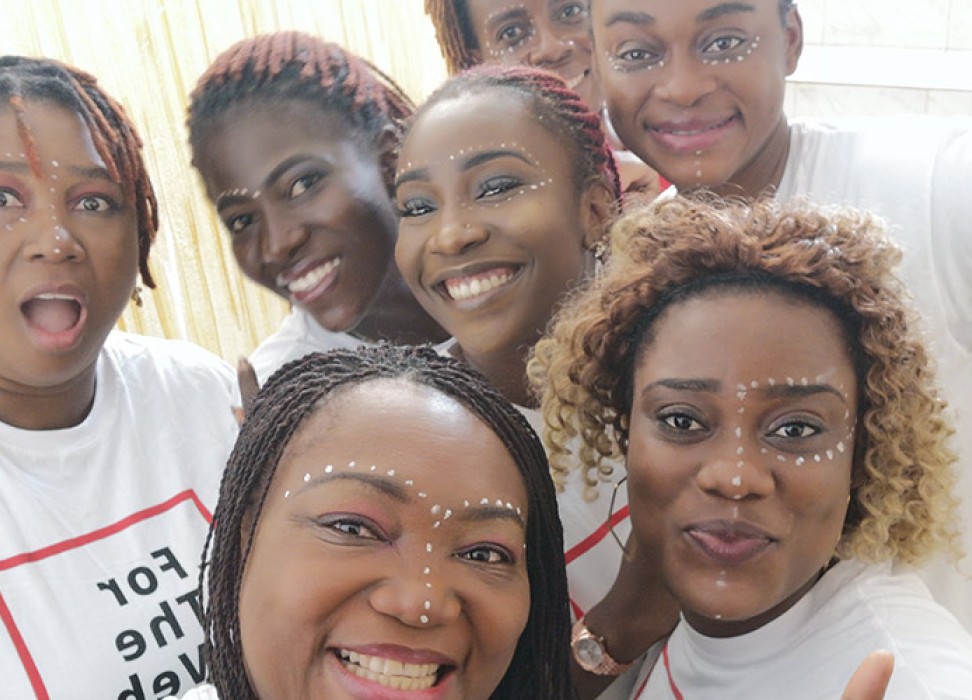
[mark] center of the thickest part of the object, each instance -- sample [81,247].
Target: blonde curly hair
[901,506]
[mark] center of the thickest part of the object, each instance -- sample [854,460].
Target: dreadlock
[296,66]
[112,132]
[454,32]
[299,389]
[557,108]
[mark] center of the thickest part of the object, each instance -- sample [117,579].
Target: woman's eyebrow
[477,513]
[386,485]
[726,8]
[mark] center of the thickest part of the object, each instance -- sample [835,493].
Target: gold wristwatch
[591,654]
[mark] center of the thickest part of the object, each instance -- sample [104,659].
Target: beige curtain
[148,54]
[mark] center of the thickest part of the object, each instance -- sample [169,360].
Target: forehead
[263,131]
[610,12]
[478,120]
[58,133]
[747,335]
[418,433]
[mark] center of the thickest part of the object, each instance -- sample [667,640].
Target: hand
[870,680]
[249,387]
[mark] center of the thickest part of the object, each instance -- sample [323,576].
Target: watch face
[589,653]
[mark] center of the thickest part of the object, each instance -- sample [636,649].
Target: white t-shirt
[298,335]
[915,172]
[811,651]
[102,527]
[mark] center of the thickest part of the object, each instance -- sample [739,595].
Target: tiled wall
[879,56]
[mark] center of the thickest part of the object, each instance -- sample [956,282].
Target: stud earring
[600,252]
[137,296]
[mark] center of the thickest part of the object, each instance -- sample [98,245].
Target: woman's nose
[418,595]
[736,470]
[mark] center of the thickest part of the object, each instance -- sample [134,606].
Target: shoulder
[139,355]
[298,335]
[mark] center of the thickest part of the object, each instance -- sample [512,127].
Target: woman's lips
[388,672]
[55,318]
[729,543]
[691,137]
[464,287]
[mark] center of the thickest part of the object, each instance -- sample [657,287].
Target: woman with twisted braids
[386,528]
[295,140]
[760,373]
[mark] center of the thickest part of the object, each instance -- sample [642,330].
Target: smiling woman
[387,528]
[295,141]
[784,444]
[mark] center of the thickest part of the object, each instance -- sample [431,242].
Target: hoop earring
[600,253]
[137,296]
[614,495]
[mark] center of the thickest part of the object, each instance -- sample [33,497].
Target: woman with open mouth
[106,477]
[386,530]
[295,140]
[785,447]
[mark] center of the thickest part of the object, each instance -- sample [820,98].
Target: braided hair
[454,32]
[557,108]
[296,66]
[113,134]
[298,390]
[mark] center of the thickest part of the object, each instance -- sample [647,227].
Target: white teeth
[312,278]
[459,290]
[50,296]
[390,672]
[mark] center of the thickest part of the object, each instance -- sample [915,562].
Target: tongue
[52,315]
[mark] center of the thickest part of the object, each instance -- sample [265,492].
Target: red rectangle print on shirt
[109,614]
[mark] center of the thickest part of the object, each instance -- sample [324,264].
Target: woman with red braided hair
[106,479]
[295,141]
[505,187]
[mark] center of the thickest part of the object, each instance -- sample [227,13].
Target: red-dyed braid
[453,32]
[112,132]
[558,108]
[293,65]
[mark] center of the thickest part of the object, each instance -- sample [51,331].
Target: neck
[396,316]
[49,408]
[763,174]
[505,370]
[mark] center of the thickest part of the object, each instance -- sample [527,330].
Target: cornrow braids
[454,33]
[557,108]
[113,134]
[299,389]
[296,66]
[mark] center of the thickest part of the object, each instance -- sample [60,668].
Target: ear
[387,147]
[793,36]
[598,208]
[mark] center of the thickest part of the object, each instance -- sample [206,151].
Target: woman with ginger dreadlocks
[784,445]
[295,141]
[106,480]
[355,556]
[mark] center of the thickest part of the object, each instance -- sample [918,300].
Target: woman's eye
[415,207]
[237,224]
[497,186]
[352,528]
[634,57]
[512,34]
[795,430]
[95,203]
[682,423]
[486,554]
[302,184]
[9,198]
[723,44]
[572,11]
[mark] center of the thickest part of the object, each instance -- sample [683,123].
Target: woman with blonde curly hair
[758,369]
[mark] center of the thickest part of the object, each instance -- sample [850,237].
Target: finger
[249,385]
[870,680]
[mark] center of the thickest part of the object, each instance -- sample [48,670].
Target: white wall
[866,57]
